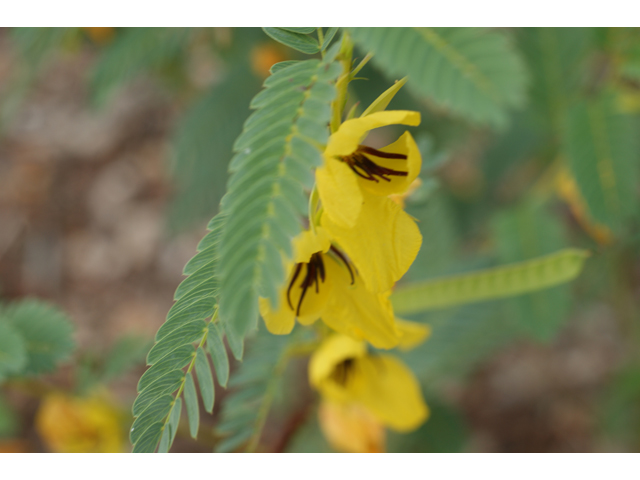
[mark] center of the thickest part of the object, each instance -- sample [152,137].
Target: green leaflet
[601,146]
[149,439]
[171,427]
[185,335]
[205,380]
[218,353]
[328,36]
[176,359]
[296,38]
[473,72]
[191,402]
[280,65]
[304,30]
[263,201]
[168,383]
[155,412]
[499,282]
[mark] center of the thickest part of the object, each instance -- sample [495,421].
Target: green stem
[320,40]
[364,61]
[337,106]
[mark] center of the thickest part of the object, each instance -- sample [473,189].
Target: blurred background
[114,144]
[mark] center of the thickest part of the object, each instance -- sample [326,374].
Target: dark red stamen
[345,261]
[343,371]
[315,274]
[378,153]
[295,276]
[366,168]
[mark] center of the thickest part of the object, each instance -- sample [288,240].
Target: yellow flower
[75,425]
[100,34]
[351,428]
[345,373]
[322,283]
[354,185]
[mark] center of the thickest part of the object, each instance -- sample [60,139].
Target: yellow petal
[355,311]
[337,183]
[279,322]
[339,192]
[333,351]
[79,424]
[308,243]
[382,244]
[397,184]
[351,132]
[400,198]
[351,428]
[390,391]
[412,334]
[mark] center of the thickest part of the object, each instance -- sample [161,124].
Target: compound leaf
[473,72]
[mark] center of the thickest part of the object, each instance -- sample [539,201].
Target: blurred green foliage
[506,113]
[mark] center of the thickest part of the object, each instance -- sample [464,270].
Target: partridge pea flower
[346,374]
[323,283]
[69,424]
[354,185]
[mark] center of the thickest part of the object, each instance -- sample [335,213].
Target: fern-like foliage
[460,338]
[525,233]
[34,338]
[555,57]
[297,38]
[604,156]
[203,145]
[473,72]
[134,51]
[279,147]
[35,44]
[490,284]
[157,408]
[254,384]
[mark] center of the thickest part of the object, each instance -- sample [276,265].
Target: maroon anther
[345,261]
[315,274]
[368,169]
[344,370]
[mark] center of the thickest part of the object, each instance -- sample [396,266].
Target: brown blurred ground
[82,201]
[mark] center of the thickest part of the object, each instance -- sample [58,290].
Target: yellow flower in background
[351,428]
[322,283]
[264,56]
[354,185]
[69,424]
[345,373]
[100,34]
